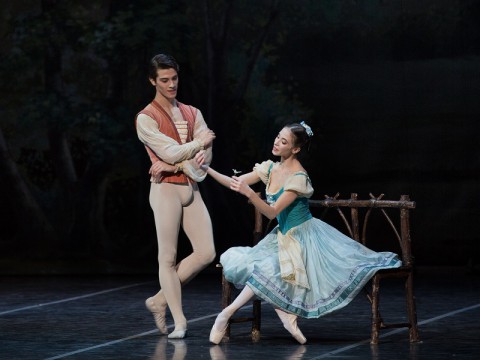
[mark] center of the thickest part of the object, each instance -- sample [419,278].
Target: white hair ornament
[308,129]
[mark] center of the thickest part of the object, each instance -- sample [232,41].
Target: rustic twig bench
[356,216]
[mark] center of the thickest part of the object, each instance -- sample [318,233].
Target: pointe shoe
[158,315]
[290,323]
[217,336]
[178,334]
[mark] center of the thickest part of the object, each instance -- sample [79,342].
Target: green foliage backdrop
[388,87]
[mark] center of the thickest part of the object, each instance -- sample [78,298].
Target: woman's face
[284,143]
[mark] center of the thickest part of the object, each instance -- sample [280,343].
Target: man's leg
[166,202]
[198,227]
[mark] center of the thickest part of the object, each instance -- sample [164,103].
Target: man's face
[166,83]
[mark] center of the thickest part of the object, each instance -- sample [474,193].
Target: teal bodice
[294,214]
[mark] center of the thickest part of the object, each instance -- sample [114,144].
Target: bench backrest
[355,214]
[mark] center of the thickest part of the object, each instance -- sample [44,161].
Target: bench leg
[411,310]
[376,319]
[227,290]
[257,319]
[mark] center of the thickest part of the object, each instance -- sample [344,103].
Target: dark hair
[162,61]
[301,136]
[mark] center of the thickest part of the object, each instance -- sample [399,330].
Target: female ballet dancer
[303,267]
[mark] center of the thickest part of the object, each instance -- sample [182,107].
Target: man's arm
[190,167]
[166,148]
[200,128]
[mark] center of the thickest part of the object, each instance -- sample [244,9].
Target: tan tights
[174,206]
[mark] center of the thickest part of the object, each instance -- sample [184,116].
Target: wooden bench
[357,218]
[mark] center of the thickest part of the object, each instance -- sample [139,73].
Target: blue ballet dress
[303,266]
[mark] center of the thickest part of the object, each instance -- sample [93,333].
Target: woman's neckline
[281,188]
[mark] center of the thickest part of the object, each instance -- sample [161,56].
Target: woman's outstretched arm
[239,185]
[249,178]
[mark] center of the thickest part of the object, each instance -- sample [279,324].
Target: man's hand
[206,138]
[159,166]
[200,158]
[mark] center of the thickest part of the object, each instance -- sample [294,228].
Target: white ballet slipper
[178,334]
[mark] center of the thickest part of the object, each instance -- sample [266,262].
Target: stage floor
[104,317]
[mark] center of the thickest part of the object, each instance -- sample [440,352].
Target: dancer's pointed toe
[158,315]
[216,336]
[221,322]
[290,324]
[297,335]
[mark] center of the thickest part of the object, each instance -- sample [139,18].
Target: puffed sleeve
[190,167]
[201,126]
[164,146]
[263,169]
[193,171]
[300,183]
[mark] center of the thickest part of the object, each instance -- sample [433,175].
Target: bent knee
[207,258]
[212,257]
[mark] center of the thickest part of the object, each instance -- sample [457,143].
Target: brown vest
[168,128]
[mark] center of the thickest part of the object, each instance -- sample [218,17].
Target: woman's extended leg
[290,323]
[221,322]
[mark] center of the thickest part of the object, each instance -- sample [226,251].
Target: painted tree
[84,78]
[68,113]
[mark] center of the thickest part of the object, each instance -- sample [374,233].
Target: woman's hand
[240,186]
[159,166]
